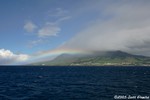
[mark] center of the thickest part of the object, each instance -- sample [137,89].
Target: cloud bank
[121,25]
[7,57]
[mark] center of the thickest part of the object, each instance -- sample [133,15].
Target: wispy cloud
[58,21]
[58,12]
[30,26]
[8,57]
[50,28]
[36,42]
[48,31]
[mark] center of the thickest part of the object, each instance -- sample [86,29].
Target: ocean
[74,83]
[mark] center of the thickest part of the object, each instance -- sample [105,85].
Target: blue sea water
[72,83]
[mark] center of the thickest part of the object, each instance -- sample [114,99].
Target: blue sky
[28,27]
[15,14]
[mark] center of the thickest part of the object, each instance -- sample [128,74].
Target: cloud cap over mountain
[125,26]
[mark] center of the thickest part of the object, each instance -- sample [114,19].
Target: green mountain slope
[115,58]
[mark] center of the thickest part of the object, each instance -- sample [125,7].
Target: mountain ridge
[108,58]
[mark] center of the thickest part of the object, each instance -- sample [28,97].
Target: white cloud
[30,26]
[62,19]
[48,30]
[58,12]
[36,42]
[52,28]
[7,57]
[126,27]
[59,20]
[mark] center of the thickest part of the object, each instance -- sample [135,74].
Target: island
[108,58]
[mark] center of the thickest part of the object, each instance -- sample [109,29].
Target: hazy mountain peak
[100,58]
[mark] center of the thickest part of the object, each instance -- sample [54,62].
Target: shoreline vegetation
[111,58]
